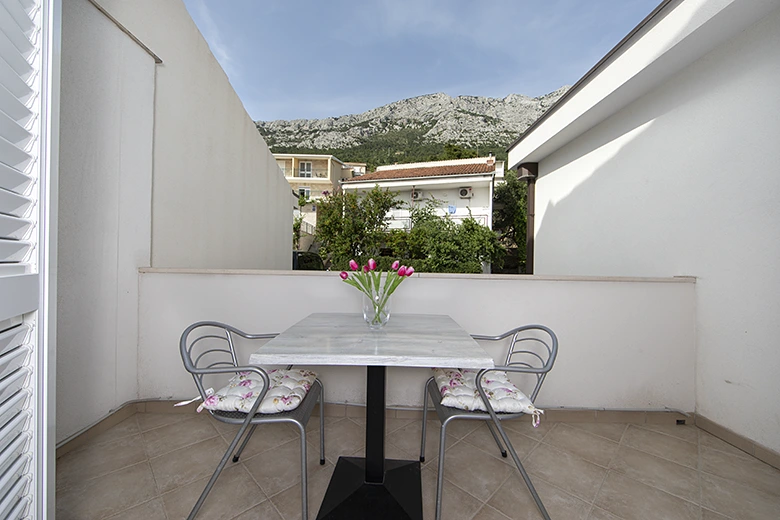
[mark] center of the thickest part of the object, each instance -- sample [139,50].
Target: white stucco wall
[220,200]
[105,196]
[623,343]
[685,181]
[159,165]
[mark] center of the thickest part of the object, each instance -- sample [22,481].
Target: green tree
[353,227]
[509,214]
[439,245]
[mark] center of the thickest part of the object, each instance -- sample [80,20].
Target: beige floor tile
[179,467]
[125,428]
[515,501]
[481,438]
[107,495]
[708,440]
[661,445]
[150,421]
[474,470]
[611,431]
[456,505]
[314,423]
[631,500]
[408,439]
[566,471]
[527,429]
[592,448]
[265,437]
[177,435]
[596,513]
[234,492]
[488,513]
[152,510]
[688,433]
[94,460]
[679,480]
[288,502]
[737,500]
[276,470]
[460,428]
[748,471]
[706,514]
[262,511]
[341,439]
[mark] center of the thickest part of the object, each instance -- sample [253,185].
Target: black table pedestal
[373,487]
[349,496]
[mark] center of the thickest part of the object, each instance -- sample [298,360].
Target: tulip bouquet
[376,289]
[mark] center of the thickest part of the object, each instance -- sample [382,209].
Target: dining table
[372,486]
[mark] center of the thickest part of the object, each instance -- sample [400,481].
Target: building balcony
[316,173]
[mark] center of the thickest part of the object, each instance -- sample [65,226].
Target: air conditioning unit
[465,193]
[417,195]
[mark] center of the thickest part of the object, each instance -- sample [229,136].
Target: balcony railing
[315,173]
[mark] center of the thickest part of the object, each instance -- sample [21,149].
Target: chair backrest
[532,350]
[208,347]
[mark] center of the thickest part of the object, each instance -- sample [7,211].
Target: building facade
[458,189]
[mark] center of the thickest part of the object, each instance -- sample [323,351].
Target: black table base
[349,496]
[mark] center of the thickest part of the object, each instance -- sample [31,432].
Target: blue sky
[290,59]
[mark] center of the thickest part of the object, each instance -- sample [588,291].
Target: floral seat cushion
[459,390]
[288,388]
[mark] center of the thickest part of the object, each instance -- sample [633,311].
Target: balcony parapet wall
[625,343]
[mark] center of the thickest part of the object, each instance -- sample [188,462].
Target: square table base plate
[350,497]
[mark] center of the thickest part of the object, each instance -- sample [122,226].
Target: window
[305,191]
[304,169]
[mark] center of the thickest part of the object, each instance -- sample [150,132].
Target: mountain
[412,129]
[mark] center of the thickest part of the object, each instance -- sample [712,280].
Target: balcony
[315,173]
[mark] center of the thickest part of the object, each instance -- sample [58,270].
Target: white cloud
[211,33]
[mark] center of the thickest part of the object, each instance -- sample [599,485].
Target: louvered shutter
[22,178]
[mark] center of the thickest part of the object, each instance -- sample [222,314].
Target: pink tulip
[402,271]
[395,265]
[365,268]
[409,271]
[343,275]
[353,265]
[372,264]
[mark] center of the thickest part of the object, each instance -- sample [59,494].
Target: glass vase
[376,310]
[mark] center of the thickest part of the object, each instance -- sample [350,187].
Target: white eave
[674,35]
[439,181]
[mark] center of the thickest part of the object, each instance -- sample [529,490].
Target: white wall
[220,200]
[685,181]
[623,343]
[159,165]
[105,179]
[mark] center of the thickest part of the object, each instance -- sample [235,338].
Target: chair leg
[424,419]
[440,476]
[322,424]
[304,479]
[217,472]
[523,473]
[244,443]
[495,437]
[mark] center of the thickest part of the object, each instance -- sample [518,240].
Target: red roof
[426,171]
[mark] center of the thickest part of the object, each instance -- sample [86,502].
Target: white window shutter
[24,95]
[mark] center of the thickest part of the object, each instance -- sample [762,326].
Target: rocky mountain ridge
[469,121]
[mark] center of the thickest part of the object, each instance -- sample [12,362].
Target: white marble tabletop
[408,340]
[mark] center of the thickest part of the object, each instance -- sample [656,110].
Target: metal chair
[541,348]
[209,359]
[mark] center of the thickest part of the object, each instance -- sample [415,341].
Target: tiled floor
[154,466]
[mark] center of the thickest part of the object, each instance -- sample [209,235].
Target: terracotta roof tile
[431,171]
